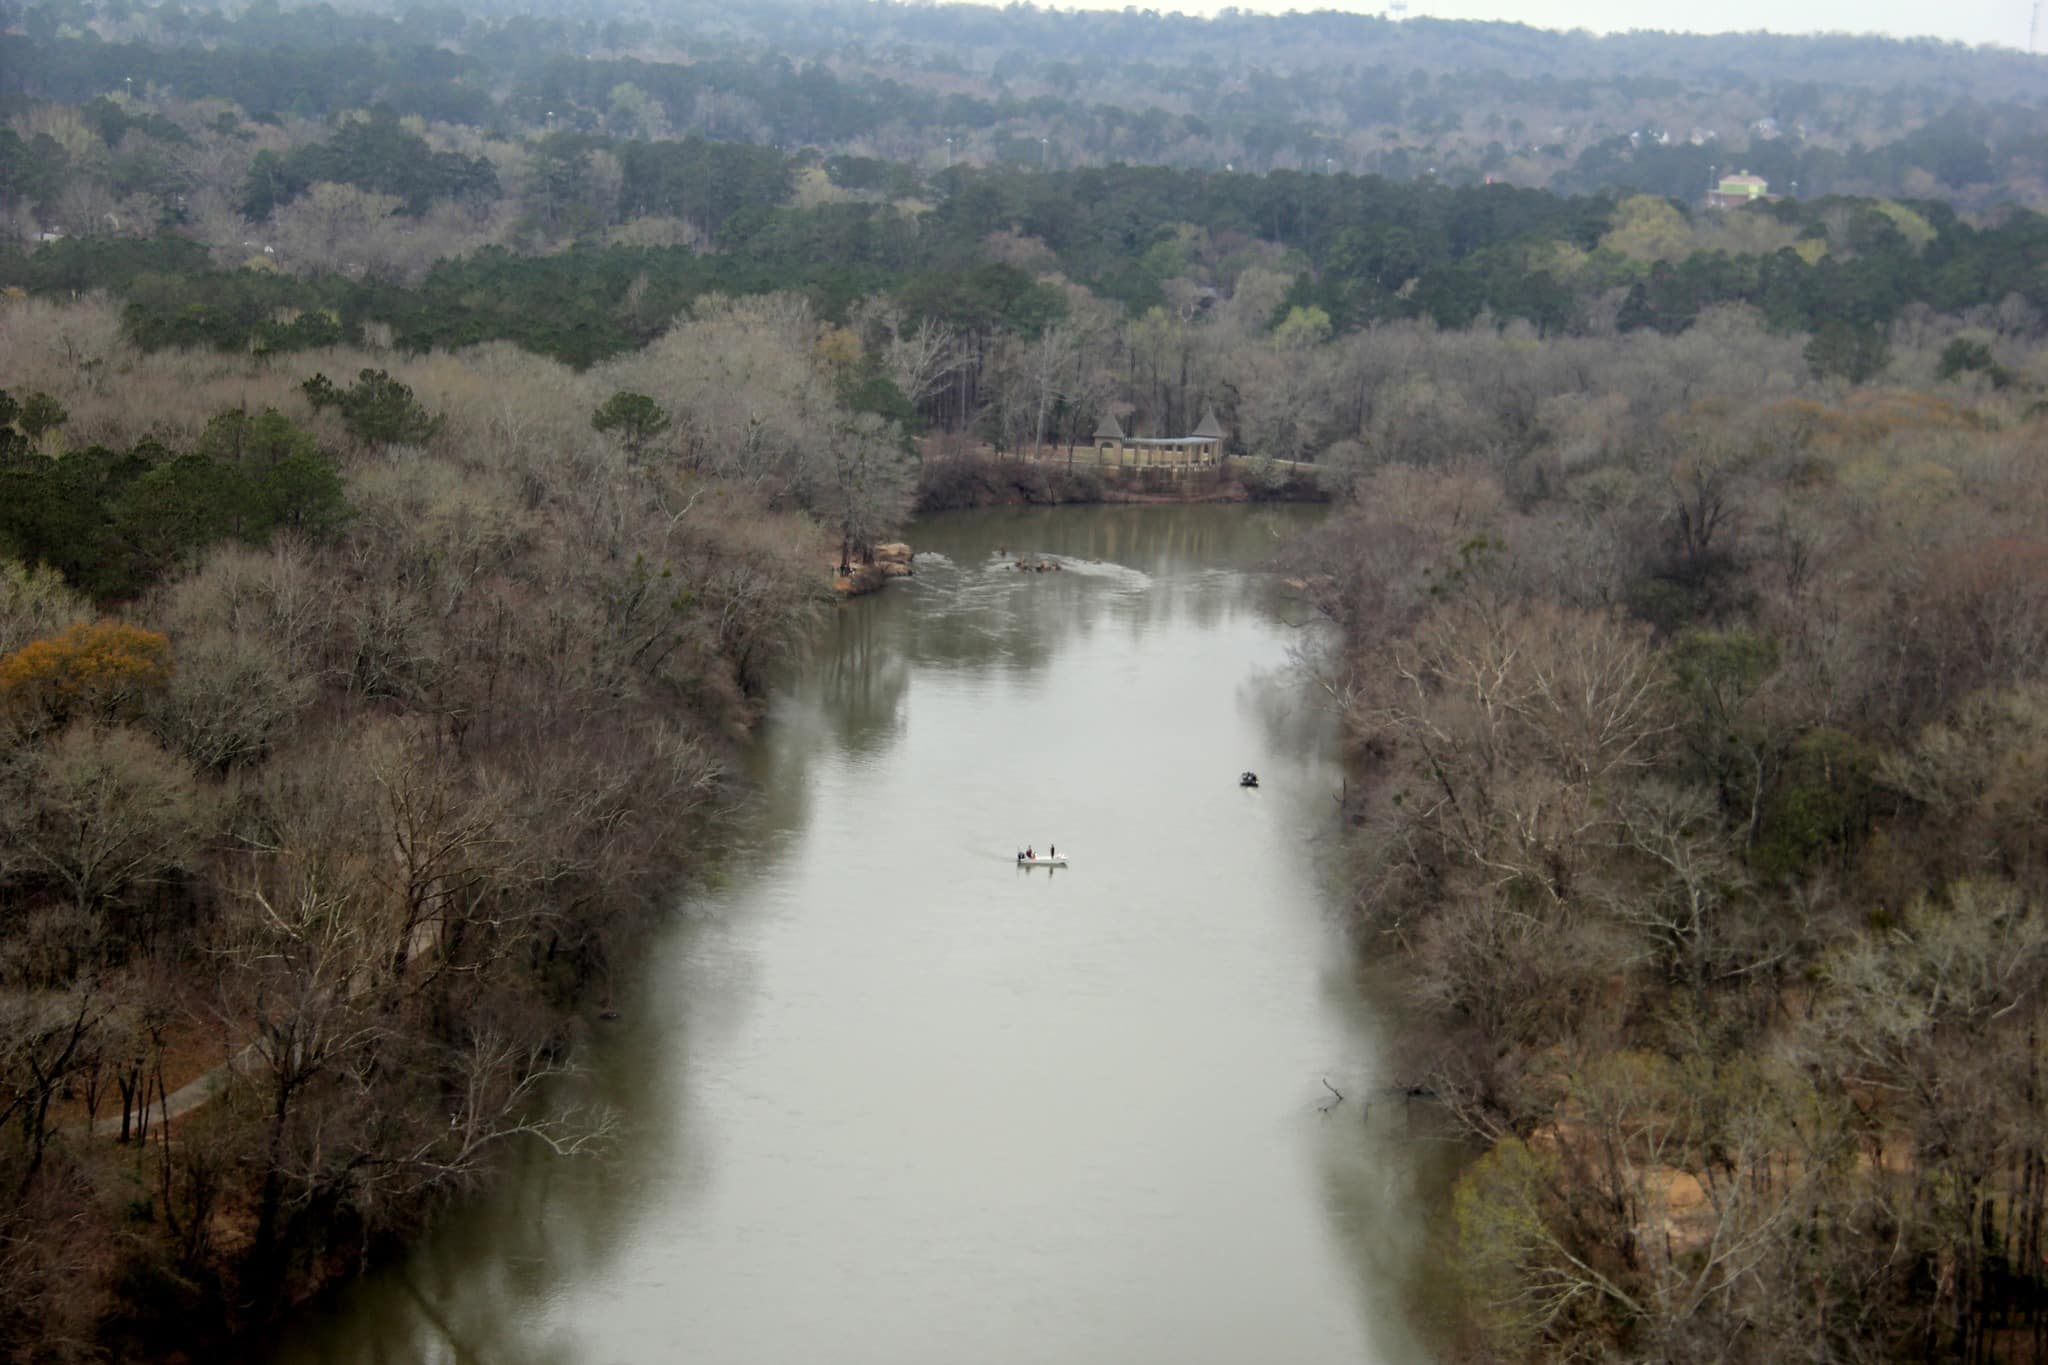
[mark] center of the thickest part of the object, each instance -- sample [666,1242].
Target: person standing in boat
[1052,851]
[1029,856]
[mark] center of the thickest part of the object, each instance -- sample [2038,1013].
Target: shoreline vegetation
[394,753]
[424,434]
[1703,812]
[954,480]
[951,480]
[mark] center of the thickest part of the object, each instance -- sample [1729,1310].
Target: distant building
[1736,190]
[1200,449]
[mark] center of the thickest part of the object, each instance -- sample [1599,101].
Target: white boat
[1043,860]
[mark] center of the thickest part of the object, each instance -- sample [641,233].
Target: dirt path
[185,1098]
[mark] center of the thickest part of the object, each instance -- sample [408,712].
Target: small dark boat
[1248,780]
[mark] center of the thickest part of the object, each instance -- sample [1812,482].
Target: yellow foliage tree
[102,669]
[838,350]
[1914,228]
[1647,228]
[1302,329]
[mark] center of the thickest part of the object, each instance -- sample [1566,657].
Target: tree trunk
[129,1084]
[265,1276]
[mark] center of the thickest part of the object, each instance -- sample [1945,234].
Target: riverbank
[395,804]
[892,559]
[1723,938]
[961,481]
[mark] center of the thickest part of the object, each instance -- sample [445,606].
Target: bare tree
[922,357]
[35,604]
[102,812]
[44,1036]
[862,482]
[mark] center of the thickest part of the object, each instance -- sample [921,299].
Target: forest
[1702,795]
[425,433]
[930,85]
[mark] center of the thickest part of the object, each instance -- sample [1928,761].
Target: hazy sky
[1969,21]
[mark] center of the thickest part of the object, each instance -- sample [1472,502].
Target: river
[888,1097]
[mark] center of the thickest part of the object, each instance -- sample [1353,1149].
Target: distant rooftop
[1208,432]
